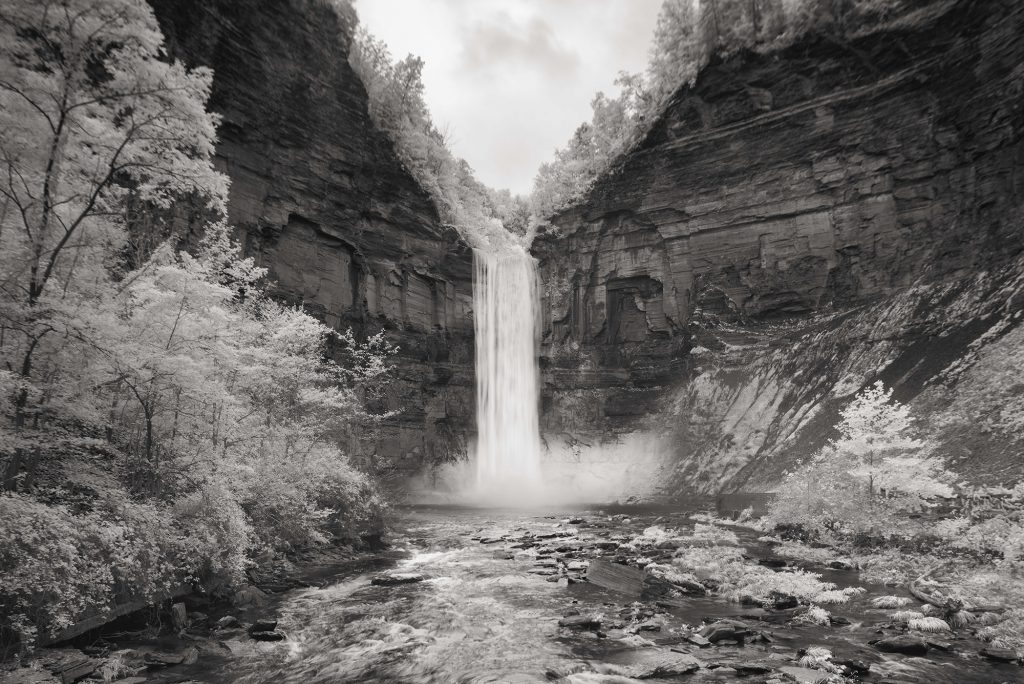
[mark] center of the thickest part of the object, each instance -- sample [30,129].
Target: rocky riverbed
[470,595]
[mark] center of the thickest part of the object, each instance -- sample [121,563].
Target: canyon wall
[322,201]
[794,227]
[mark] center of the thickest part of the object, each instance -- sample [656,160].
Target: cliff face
[325,205]
[794,227]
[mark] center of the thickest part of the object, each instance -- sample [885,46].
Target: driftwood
[949,605]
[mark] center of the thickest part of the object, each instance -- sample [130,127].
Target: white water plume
[506,320]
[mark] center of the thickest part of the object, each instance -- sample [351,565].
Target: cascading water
[505,312]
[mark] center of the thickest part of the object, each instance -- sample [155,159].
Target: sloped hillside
[794,227]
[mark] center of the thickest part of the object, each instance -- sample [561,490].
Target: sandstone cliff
[325,205]
[795,226]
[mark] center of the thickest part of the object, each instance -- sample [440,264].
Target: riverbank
[576,596]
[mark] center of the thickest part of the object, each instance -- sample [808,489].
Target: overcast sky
[513,78]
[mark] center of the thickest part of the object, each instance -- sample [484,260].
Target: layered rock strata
[795,226]
[325,205]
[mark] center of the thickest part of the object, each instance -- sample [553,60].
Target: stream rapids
[489,606]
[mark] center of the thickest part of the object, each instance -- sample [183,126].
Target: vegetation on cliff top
[483,216]
[688,35]
[163,421]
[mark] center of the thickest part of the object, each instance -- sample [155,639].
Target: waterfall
[506,320]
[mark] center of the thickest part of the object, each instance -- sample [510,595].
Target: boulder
[804,675]
[263,625]
[658,664]
[248,597]
[584,622]
[751,668]
[905,644]
[228,621]
[725,629]
[267,636]
[1000,655]
[179,616]
[391,579]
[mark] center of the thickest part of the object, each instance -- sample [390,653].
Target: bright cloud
[512,79]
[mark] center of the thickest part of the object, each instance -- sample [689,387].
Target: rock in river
[390,579]
[908,645]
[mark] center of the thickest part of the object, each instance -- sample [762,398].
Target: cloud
[513,79]
[500,43]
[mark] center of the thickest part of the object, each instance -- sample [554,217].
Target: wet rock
[267,636]
[780,601]
[263,625]
[1000,655]
[804,675]
[838,620]
[391,579]
[543,572]
[68,664]
[772,562]
[857,667]
[751,668]
[576,521]
[840,565]
[725,629]
[661,664]
[198,620]
[165,658]
[908,645]
[227,622]
[179,616]
[616,577]
[584,622]
[940,645]
[490,540]
[698,640]
[248,597]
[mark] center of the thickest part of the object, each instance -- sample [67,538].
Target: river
[489,605]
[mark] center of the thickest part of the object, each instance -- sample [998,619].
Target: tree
[90,113]
[873,430]
[398,107]
[876,469]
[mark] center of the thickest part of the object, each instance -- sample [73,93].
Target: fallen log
[949,605]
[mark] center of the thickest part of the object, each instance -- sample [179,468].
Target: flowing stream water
[493,591]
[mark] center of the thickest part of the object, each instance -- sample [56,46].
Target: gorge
[748,406]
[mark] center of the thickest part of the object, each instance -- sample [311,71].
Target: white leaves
[814,615]
[89,114]
[890,601]
[928,624]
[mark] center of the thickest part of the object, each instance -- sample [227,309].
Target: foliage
[398,107]
[164,421]
[871,479]
[741,580]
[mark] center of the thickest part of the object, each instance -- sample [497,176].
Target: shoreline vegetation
[167,423]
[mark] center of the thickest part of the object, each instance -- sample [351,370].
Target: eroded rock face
[325,205]
[794,227]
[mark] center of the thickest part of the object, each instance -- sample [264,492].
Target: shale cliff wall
[795,226]
[324,203]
